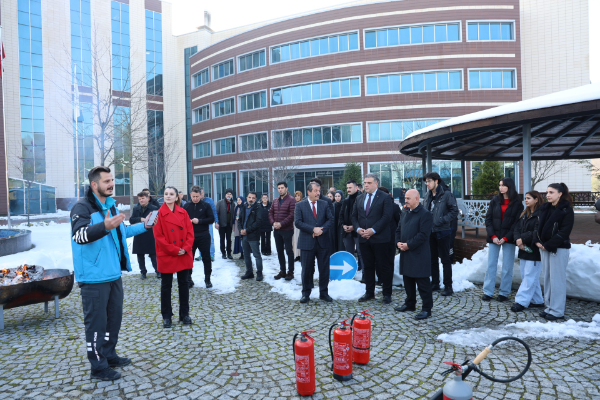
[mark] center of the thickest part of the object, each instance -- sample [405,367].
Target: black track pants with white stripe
[102,314]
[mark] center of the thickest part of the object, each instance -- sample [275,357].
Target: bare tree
[163,154]
[24,164]
[544,169]
[409,169]
[281,162]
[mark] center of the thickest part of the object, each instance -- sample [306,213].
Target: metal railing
[581,199]
[471,214]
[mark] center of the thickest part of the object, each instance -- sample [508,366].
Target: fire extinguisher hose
[487,350]
[331,343]
[294,345]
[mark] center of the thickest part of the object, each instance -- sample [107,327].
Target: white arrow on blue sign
[342,265]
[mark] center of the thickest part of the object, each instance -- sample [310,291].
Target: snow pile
[57,214]
[123,207]
[479,337]
[583,271]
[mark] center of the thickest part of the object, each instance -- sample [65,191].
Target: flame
[4,271]
[23,272]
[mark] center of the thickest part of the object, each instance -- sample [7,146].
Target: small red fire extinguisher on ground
[341,351]
[304,357]
[361,341]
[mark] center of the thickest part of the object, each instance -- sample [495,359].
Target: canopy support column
[463,177]
[429,159]
[526,158]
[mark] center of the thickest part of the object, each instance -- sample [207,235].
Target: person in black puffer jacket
[502,215]
[553,240]
[265,226]
[201,215]
[530,291]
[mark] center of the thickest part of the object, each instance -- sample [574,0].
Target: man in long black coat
[412,238]
[144,243]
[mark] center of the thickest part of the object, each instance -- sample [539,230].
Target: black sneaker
[167,323]
[224,257]
[259,277]
[107,374]
[501,298]
[517,307]
[190,284]
[208,284]
[435,288]
[537,305]
[143,276]
[158,275]
[230,256]
[119,362]
[248,275]
[485,297]
[186,320]
[447,291]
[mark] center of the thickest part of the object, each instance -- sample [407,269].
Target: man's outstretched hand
[112,222]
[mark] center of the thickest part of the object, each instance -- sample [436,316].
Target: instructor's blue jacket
[96,258]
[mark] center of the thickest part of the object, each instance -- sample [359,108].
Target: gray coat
[445,210]
[414,230]
[222,212]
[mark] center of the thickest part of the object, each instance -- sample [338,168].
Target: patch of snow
[583,270]
[57,214]
[479,337]
[576,95]
[123,207]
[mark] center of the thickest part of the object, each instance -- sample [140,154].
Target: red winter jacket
[173,231]
[283,213]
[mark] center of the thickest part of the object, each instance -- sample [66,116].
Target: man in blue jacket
[100,254]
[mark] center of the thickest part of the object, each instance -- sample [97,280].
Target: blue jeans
[530,290]
[508,261]
[212,242]
[251,248]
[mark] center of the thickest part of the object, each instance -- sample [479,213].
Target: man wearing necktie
[371,217]
[314,219]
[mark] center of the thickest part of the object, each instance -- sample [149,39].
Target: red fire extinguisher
[304,357]
[341,351]
[361,341]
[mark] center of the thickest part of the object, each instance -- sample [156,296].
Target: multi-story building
[301,95]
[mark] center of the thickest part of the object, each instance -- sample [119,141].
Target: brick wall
[465,248]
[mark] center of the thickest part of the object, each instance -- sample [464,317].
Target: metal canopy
[566,131]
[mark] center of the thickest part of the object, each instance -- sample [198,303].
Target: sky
[189,14]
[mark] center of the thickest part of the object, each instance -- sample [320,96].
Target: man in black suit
[314,219]
[202,217]
[371,217]
[144,244]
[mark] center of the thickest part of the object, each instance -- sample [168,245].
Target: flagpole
[5,135]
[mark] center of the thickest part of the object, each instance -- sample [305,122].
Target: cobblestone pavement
[239,347]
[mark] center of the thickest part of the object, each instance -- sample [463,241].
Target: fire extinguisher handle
[306,333]
[481,356]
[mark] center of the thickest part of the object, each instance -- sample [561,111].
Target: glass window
[385,132]
[372,85]
[440,33]
[285,53]
[373,132]
[392,37]
[326,135]
[418,82]
[396,128]
[317,136]
[316,91]
[333,44]
[484,31]
[442,81]
[356,133]
[307,137]
[324,46]
[305,49]
[335,89]
[428,34]
[296,94]
[416,35]
[507,79]
[336,136]
[314,47]
[472,32]
[430,81]
[406,82]
[384,84]
[506,31]
[474,80]
[355,87]
[325,90]
[343,42]
[353,41]
[370,40]
[294,51]
[275,55]
[286,95]
[345,87]
[276,97]
[496,79]
[296,137]
[495,31]
[306,92]
[404,35]
[382,38]
[346,134]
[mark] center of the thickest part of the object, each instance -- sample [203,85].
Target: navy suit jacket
[304,219]
[380,214]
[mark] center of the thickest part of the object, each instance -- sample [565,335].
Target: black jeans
[202,242]
[440,248]
[225,236]
[265,242]
[184,293]
[424,286]
[377,256]
[102,314]
[284,239]
[142,262]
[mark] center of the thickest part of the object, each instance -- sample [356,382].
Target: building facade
[294,98]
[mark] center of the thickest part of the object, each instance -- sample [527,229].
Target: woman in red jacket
[174,237]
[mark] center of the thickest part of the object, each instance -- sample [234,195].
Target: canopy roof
[564,125]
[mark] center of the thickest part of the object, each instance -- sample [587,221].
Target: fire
[4,271]
[23,272]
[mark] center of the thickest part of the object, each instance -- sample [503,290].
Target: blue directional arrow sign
[342,265]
